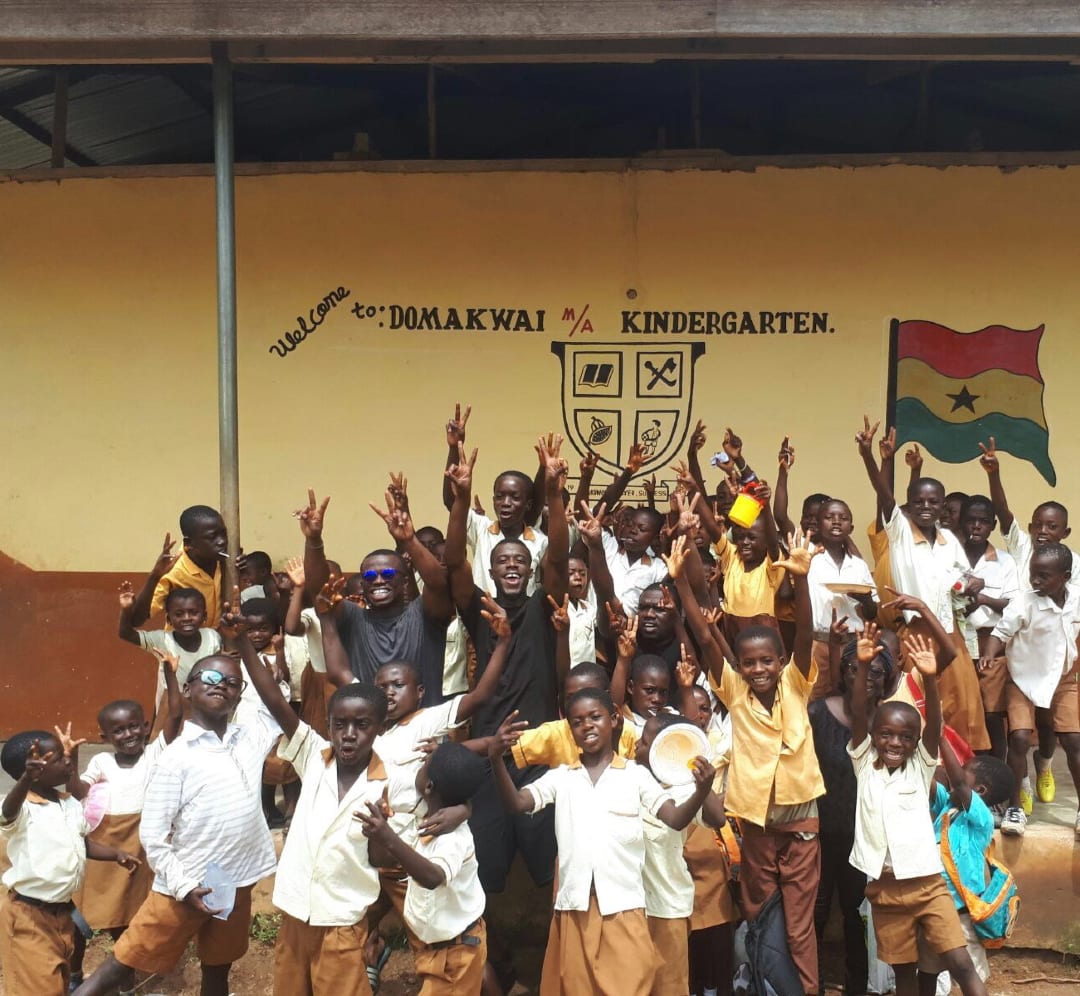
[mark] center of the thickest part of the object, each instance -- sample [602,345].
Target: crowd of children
[500,688]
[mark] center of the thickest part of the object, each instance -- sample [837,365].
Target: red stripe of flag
[965,354]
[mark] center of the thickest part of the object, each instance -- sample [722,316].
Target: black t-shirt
[836,809]
[374,638]
[528,680]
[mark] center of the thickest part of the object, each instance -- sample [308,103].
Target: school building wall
[776,288]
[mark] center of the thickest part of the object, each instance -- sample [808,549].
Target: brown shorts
[157,936]
[671,941]
[36,945]
[992,684]
[1064,706]
[453,968]
[320,961]
[903,907]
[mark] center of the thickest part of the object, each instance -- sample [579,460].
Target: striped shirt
[203,804]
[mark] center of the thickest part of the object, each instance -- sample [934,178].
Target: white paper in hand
[223,892]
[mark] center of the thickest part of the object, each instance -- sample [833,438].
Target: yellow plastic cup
[745,510]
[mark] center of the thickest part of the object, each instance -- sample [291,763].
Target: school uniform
[202,805]
[185,573]
[483,534]
[448,919]
[749,595]
[582,627]
[552,744]
[111,896]
[325,882]
[1041,651]
[599,940]
[896,850]
[669,900]
[998,571]
[315,688]
[825,570]
[929,571]
[773,783]
[631,577]
[47,850]
[165,641]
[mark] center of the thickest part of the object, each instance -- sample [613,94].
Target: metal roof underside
[144,115]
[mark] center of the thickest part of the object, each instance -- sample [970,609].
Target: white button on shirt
[892,814]
[204,803]
[47,848]
[325,877]
[600,832]
[444,913]
[1040,641]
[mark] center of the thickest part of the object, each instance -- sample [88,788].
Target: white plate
[847,588]
[673,750]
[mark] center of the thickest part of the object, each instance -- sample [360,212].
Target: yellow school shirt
[552,744]
[747,593]
[185,573]
[772,753]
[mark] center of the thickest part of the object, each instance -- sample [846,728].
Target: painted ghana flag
[951,390]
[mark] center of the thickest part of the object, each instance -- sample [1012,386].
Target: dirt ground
[1013,973]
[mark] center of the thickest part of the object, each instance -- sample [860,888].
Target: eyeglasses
[387,574]
[208,676]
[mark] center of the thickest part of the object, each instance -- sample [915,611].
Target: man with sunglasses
[359,640]
[202,807]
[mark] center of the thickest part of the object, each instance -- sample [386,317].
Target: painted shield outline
[614,393]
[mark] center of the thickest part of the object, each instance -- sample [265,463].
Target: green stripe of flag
[954,442]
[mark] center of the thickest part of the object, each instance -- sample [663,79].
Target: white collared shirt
[164,640]
[1040,641]
[924,569]
[309,618]
[443,913]
[998,571]
[482,536]
[824,570]
[204,803]
[669,887]
[583,628]
[631,579]
[892,814]
[600,832]
[399,748]
[1020,546]
[324,877]
[126,787]
[46,846]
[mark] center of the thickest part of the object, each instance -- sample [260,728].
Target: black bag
[767,968]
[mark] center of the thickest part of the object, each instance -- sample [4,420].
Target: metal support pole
[228,443]
[60,116]
[432,119]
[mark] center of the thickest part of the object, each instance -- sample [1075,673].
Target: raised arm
[312,518]
[233,625]
[693,460]
[174,701]
[329,605]
[293,625]
[921,653]
[459,574]
[960,793]
[436,594]
[126,629]
[162,565]
[615,489]
[678,817]
[592,532]
[455,439]
[946,651]
[495,617]
[801,552]
[865,650]
[513,799]
[586,470]
[914,459]
[560,622]
[627,647]
[780,492]
[70,746]
[556,566]
[882,488]
[989,462]
[711,651]
[763,493]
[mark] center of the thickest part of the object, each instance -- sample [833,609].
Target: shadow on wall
[61,658]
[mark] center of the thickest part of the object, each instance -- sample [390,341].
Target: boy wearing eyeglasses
[202,807]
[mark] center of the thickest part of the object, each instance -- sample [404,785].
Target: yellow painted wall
[108,383]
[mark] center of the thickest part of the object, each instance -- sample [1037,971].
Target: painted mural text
[305,326]
[726,323]
[435,318]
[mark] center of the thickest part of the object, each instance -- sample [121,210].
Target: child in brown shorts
[894,834]
[202,808]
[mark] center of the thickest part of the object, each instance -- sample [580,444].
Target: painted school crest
[614,395]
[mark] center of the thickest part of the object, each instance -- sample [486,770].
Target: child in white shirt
[894,834]
[444,901]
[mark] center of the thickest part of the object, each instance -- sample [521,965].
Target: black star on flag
[964,399]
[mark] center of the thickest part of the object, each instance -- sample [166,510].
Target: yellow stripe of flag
[992,391]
